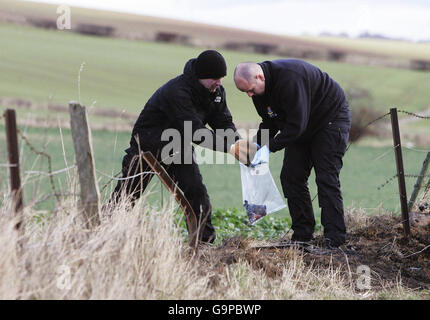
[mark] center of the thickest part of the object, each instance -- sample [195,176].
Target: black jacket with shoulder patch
[299,100]
[181,99]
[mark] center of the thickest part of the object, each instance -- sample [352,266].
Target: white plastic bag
[259,192]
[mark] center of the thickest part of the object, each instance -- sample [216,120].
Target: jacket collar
[267,78]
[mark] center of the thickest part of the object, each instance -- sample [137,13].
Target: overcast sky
[395,18]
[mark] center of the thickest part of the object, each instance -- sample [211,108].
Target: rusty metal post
[419,182]
[190,216]
[13,156]
[400,171]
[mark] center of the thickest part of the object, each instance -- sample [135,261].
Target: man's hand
[261,156]
[244,151]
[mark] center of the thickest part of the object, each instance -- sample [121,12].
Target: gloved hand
[244,151]
[261,156]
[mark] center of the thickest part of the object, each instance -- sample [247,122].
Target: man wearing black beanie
[194,98]
[210,64]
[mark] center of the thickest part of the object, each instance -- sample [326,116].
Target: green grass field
[43,66]
[364,170]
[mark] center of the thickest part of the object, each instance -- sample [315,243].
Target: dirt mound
[382,246]
[379,244]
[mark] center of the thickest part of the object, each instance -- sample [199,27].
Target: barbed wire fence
[421,186]
[50,173]
[407,206]
[420,177]
[377,119]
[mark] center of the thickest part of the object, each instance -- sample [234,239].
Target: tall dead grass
[138,253]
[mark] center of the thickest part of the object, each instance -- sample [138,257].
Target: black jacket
[181,99]
[299,100]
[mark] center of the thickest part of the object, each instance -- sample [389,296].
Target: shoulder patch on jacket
[270,113]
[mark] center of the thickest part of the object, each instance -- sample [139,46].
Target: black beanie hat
[210,64]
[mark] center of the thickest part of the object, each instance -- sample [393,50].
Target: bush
[362,113]
[360,119]
[234,222]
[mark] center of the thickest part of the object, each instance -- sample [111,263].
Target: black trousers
[324,153]
[186,176]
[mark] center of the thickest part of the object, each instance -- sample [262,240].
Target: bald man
[306,114]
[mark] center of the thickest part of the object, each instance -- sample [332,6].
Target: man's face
[211,84]
[254,87]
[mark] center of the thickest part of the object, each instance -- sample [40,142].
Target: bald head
[246,71]
[249,78]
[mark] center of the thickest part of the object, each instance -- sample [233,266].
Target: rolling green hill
[382,47]
[43,66]
[145,27]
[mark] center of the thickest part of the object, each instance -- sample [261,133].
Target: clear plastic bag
[259,192]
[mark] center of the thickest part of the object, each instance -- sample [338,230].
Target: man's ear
[260,77]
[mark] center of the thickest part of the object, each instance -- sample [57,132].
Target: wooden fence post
[13,158]
[400,171]
[82,143]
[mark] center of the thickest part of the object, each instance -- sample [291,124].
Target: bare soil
[380,245]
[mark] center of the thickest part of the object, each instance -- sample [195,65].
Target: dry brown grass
[139,254]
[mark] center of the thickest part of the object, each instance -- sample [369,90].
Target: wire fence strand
[414,114]
[8,165]
[126,178]
[416,150]
[407,175]
[43,154]
[52,173]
